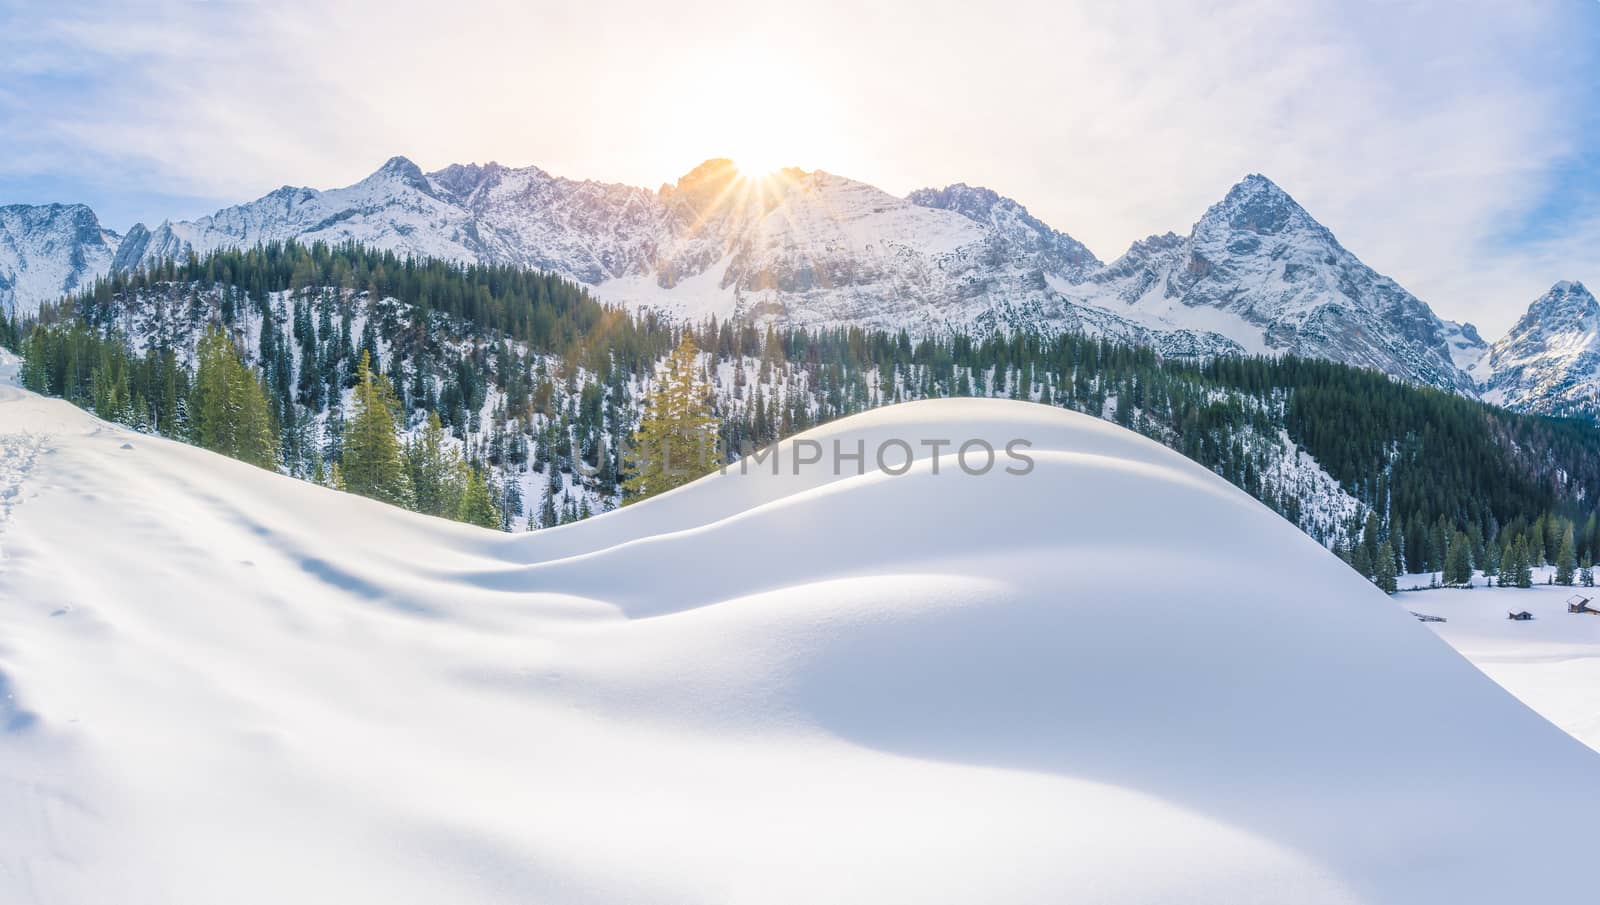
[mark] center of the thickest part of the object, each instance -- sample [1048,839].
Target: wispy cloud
[1441,141]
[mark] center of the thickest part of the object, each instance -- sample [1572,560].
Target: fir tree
[1566,559]
[1385,577]
[371,461]
[1360,560]
[1508,564]
[436,471]
[1535,541]
[1523,565]
[1458,562]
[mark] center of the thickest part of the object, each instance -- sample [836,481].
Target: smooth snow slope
[1114,680]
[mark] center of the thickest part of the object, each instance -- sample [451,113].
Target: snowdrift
[1113,679]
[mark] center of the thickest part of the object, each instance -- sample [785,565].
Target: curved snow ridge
[801,525]
[924,426]
[757,688]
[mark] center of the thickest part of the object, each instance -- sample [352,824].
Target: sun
[758,164]
[764,112]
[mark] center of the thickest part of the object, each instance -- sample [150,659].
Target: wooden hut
[1578,604]
[1523,616]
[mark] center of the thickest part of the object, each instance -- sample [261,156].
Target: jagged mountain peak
[1566,307]
[460,181]
[400,171]
[400,165]
[711,174]
[1056,252]
[50,249]
[75,218]
[1550,361]
[1256,185]
[52,209]
[286,197]
[1567,298]
[973,200]
[1152,245]
[1260,270]
[1256,204]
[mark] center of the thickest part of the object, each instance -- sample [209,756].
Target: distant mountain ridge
[49,250]
[1255,274]
[1258,268]
[1549,363]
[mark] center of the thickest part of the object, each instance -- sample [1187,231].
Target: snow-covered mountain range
[1256,273]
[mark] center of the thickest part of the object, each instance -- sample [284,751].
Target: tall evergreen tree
[1566,559]
[1491,560]
[1360,560]
[477,505]
[1458,561]
[371,461]
[229,412]
[1535,541]
[436,470]
[1385,577]
[1508,563]
[676,439]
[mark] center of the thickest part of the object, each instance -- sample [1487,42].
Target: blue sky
[1450,145]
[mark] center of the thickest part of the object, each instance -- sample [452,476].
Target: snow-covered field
[1551,662]
[1114,679]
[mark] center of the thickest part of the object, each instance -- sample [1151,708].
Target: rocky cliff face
[49,250]
[1261,270]
[1550,361]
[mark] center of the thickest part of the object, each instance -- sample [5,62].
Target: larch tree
[477,505]
[229,411]
[676,441]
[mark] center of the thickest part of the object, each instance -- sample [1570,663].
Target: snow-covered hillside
[221,684]
[1550,361]
[747,390]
